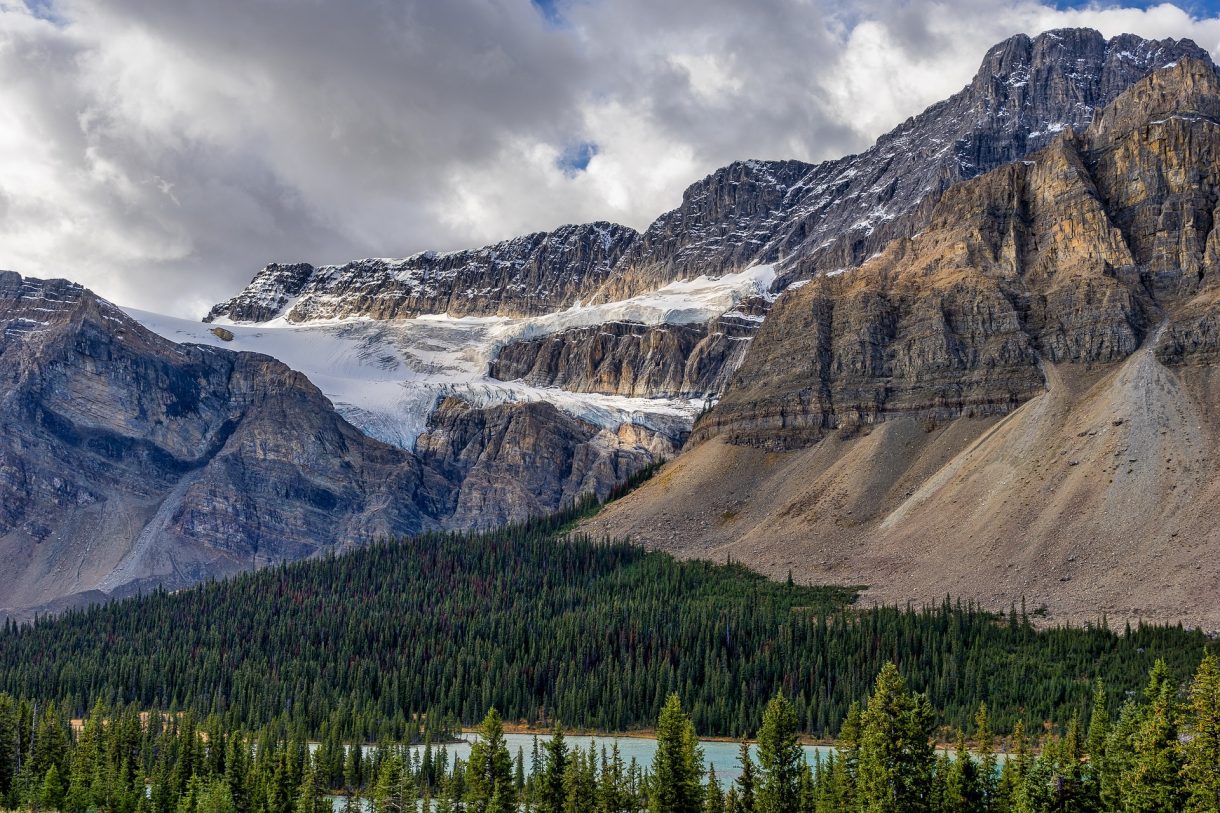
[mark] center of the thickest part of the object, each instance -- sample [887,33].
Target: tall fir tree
[678,764]
[1201,750]
[780,759]
[896,756]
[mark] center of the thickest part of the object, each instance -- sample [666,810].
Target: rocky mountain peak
[528,275]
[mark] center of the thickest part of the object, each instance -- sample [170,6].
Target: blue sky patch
[576,157]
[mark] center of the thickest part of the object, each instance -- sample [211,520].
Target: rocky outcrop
[519,460]
[128,461]
[1072,256]
[635,360]
[814,219]
[530,275]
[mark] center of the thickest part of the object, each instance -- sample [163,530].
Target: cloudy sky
[161,151]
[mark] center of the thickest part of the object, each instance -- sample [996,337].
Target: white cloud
[160,151]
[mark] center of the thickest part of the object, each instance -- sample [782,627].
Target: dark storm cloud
[161,151]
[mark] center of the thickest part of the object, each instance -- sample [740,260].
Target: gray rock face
[528,459]
[631,359]
[128,460]
[818,218]
[808,218]
[530,275]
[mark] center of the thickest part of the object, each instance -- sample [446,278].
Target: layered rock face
[1072,256]
[817,218]
[635,360]
[530,275]
[1016,404]
[514,461]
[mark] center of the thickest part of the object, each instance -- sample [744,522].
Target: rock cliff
[129,461]
[808,218]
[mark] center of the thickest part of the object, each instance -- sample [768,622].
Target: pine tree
[551,792]
[309,795]
[1152,783]
[51,794]
[849,757]
[961,791]
[988,764]
[1095,748]
[678,763]
[489,777]
[747,780]
[896,756]
[780,759]
[713,800]
[1201,751]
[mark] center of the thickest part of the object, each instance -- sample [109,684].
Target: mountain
[473,388]
[1017,401]
[128,460]
[811,218]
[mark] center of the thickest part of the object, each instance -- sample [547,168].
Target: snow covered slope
[386,376]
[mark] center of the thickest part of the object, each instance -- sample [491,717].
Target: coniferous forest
[1160,751]
[549,628]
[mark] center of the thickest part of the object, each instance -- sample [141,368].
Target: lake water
[723,755]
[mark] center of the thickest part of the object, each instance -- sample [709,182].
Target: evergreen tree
[1152,783]
[551,795]
[1201,751]
[849,758]
[51,794]
[678,763]
[896,756]
[988,763]
[489,777]
[747,780]
[780,759]
[713,800]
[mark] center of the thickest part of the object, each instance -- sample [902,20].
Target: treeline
[1160,752]
[597,634]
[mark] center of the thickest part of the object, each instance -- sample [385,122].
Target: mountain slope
[1020,401]
[129,460]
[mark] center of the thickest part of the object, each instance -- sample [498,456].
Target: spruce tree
[489,777]
[550,791]
[780,759]
[1152,783]
[896,756]
[678,763]
[1201,751]
[747,780]
[713,800]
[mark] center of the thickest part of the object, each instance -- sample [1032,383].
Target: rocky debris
[1059,258]
[530,275]
[222,334]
